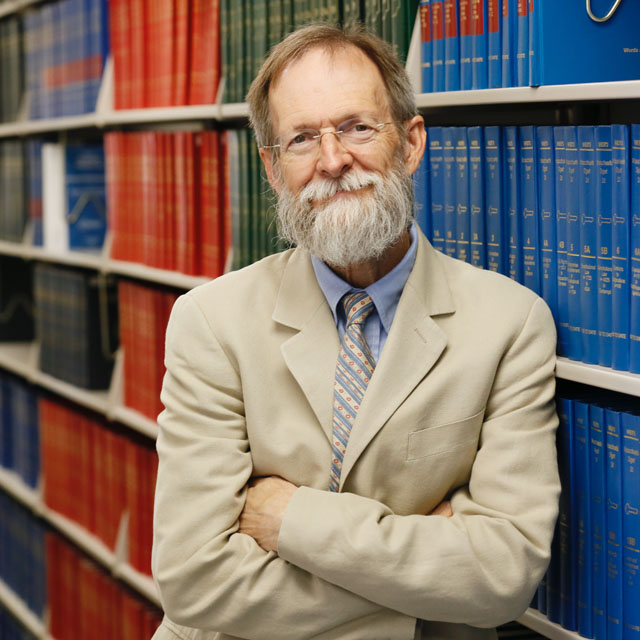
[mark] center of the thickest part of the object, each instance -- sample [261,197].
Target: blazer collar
[413,346]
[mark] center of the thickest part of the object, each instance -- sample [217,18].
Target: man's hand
[443,509]
[267,499]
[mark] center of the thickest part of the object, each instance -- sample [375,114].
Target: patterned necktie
[353,371]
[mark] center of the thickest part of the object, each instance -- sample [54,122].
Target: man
[358,439]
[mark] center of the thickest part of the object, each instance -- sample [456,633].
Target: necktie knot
[357,307]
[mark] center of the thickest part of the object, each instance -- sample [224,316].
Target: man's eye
[299,139]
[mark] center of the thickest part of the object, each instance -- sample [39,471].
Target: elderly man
[358,439]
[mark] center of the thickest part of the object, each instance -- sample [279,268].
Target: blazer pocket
[444,438]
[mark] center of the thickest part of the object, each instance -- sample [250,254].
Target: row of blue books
[66,44]
[22,554]
[480,44]
[556,209]
[19,433]
[593,582]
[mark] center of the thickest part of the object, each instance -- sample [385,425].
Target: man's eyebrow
[352,115]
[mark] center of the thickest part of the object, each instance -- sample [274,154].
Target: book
[451,46]
[562,321]
[477,209]
[529,212]
[436,186]
[494,43]
[466,44]
[588,245]
[479,44]
[634,221]
[16,300]
[421,203]
[508,26]
[437,44]
[512,202]
[426,46]
[463,214]
[522,44]
[494,189]
[450,196]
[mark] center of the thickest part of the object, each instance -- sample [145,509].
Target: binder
[494,43]
[634,221]
[426,46]
[522,44]
[529,210]
[451,46]
[466,43]
[512,204]
[450,198]
[494,188]
[476,197]
[463,247]
[479,44]
[559,136]
[437,44]
[436,186]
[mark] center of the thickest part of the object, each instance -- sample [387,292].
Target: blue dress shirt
[385,294]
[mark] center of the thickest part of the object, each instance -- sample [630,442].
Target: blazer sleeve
[481,566]
[210,576]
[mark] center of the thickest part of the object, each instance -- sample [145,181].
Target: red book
[137,33]
[168,198]
[161,52]
[183,36]
[101,489]
[205,52]
[125,327]
[185,203]
[85,496]
[132,612]
[53,559]
[131,179]
[147,472]
[116,453]
[121,52]
[88,616]
[210,205]
[134,493]
[149,197]
[225,203]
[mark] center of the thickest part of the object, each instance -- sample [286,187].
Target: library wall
[128,175]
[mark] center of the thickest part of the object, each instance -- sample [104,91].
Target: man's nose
[333,159]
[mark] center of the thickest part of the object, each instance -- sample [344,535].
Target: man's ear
[416,142]
[273,174]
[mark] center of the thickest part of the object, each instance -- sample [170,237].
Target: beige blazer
[460,406]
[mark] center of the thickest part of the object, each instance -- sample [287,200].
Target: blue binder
[512,190]
[494,43]
[494,188]
[559,136]
[529,219]
[425,46]
[451,46]
[476,197]
[634,220]
[421,208]
[437,44]
[479,44]
[450,199]
[463,232]
[522,44]
[436,186]
[508,23]
[466,43]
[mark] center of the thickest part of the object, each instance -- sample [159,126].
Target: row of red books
[165,52]
[84,602]
[167,205]
[144,314]
[92,475]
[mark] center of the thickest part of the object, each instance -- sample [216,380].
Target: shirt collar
[385,292]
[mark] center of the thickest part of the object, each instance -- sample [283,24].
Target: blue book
[463,217]
[421,208]
[479,44]
[512,205]
[572,184]
[529,210]
[86,196]
[466,43]
[437,44]
[614,525]
[604,195]
[588,245]
[436,186]
[600,51]
[476,197]
[583,518]
[533,44]
[634,219]
[509,13]
[547,212]
[425,46]
[97,16]
[559,135]
[451,46]
[597,467]
[620,243]
[494,189]
[494,44]
[450,198]
[522,44]
[631,525]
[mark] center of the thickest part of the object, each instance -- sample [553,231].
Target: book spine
[494,43]
[573,243]
[547,213]
[437,44]
[597,462]
[451,46]
[620,244]
[450,200]
[634,220]
[631,525]
[426,46]
[436,186]
[494,189]
[583,518]
[477,215]
[614,525]
[421,207]
[529,210]
[512,190]
[479,44]
[532,5]
[522,44]
[462,194]
[466,44]
[508,35]
[588,245]
[604,167]
[561,240]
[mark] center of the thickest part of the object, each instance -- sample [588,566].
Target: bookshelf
[21,358]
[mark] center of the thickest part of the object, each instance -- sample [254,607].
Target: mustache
[325,188]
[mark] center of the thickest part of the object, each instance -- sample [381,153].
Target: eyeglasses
[304,143]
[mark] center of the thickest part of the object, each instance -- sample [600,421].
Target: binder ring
[609,15]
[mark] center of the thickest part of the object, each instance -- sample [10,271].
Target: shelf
[93,546]
[533,619]
[628,89]
[13,6]
[20,611]
[135,420]
[162,276]
[597,376]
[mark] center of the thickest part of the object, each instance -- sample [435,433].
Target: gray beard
[351,229]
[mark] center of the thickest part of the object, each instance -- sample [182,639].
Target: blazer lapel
[311,353]
[413,346]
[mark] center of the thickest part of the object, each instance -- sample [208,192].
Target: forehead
[322,88]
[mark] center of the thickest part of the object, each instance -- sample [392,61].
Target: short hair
[329,38]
